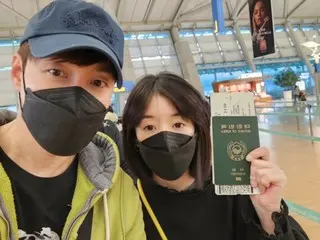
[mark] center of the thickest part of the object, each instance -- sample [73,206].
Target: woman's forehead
[160,105]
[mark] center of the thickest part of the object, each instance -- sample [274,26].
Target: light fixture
[314,47]
[311,44]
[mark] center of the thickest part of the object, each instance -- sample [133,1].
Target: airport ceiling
[157,15]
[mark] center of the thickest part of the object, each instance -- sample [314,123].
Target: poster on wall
[262,29]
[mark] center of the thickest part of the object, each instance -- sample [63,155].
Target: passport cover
[233,138]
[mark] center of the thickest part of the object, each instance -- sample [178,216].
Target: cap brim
[46,46]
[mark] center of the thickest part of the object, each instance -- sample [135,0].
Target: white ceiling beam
[120,5]
[182,5]
[296,8]
[239,8]
[147,13]
[229,8]
[197,8]
[285,8]
[16,13]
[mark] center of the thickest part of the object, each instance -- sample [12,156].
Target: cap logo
[87,18]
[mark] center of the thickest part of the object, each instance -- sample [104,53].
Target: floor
[299,158]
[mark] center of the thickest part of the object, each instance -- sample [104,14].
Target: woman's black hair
[189,104]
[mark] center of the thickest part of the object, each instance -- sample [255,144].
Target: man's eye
[56,73]
[99,83]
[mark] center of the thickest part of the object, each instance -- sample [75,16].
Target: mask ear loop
[25,90]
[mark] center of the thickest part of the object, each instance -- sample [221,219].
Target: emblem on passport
[237,151]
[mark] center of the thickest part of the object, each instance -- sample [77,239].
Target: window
[152,53]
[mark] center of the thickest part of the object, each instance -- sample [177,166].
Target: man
[56,183]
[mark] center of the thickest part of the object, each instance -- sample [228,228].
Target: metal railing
[308,109]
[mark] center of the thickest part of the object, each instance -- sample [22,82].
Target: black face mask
[62,120]
[168,154]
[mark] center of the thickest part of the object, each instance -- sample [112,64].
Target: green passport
[233,139]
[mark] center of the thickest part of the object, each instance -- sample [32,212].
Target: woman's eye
[99,83]
[178,125]
[149,128]
[56,73]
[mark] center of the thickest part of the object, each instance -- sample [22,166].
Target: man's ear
[16,72]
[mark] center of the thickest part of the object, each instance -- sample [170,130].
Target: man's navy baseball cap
[66,25]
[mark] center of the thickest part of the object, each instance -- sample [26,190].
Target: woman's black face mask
[168,154]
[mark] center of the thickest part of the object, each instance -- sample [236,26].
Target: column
[244,48]
[317,80]
[187,64]
[304,57]
[128,69]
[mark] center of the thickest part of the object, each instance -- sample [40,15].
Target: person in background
[59,179]
[296,93]
[166,138]
[110,129]
[222,89]
[111,115]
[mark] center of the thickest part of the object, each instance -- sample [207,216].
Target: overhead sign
[116,90]
[262,29]
[218,16]
[127,86]
[251,75]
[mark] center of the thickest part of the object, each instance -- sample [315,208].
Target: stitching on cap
[89,19]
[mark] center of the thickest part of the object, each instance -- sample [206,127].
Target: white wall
[122,101]
[7,92]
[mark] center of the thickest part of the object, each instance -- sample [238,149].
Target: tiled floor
[300,159]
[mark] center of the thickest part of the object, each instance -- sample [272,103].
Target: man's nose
[78,81]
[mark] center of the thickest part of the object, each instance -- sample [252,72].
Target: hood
[100,160]
[6,117]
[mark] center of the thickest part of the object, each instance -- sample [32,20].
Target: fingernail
[249,158]
[253,184]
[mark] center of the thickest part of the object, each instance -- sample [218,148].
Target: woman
[167,143]
[263,42]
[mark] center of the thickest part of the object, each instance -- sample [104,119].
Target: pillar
[187,64]
[304,57]
[128,69]
[244,48]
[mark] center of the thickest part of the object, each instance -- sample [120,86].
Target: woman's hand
[271,180]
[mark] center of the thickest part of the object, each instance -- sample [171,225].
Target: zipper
[4,218]
[85,210]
